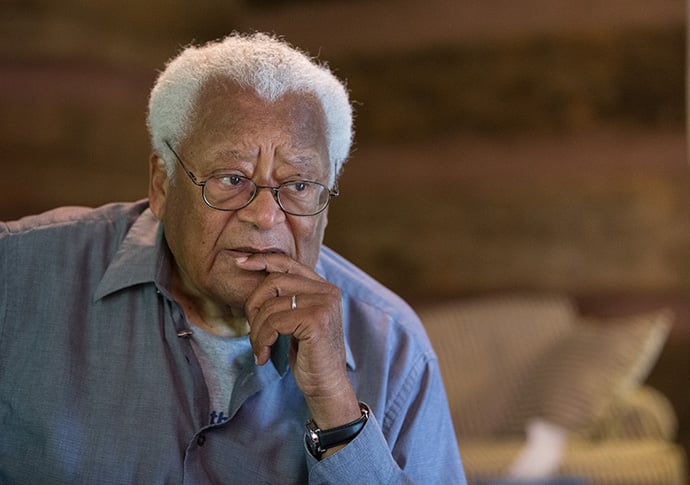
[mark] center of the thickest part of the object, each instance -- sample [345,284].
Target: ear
[158,185]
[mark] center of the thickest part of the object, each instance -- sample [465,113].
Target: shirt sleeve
[415,443]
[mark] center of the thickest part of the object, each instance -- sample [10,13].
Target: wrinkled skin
[244,266]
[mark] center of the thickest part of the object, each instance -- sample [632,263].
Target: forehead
[228,114]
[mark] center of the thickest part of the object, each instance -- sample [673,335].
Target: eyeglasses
[231,192]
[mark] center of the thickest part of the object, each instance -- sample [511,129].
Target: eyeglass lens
[231,192]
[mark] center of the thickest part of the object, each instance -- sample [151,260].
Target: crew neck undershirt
[222,359]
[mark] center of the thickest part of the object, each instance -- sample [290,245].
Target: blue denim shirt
[98,383]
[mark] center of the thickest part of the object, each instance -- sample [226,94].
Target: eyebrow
[300,160]
[306,162]
[220,155]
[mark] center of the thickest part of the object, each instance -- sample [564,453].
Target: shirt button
[201,439]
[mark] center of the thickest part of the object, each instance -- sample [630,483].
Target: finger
[277,285]
[273,286]
[275,317]
[275,263]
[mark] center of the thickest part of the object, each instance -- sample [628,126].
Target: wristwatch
[319,440]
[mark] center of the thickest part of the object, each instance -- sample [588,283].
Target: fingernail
[256,359]
[240,259]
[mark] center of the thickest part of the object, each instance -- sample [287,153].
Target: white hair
[259,61]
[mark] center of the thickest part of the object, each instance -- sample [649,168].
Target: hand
[317,351]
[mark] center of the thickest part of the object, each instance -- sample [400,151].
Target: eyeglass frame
[334,192]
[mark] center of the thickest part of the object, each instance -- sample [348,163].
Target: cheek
[187,228]
[310,239]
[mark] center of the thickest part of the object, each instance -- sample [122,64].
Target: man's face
[237,132]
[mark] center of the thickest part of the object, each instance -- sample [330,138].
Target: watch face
[312,440]
[318,440]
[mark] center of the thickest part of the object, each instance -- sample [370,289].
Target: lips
[248,251]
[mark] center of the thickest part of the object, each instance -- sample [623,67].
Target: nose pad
[270,193]
[263,211]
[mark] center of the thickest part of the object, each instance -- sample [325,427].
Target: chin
[235,287]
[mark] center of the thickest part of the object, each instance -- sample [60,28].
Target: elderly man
[205,335]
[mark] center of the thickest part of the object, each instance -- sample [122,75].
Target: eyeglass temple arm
[184,167]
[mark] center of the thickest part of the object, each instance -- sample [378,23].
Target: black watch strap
[319,440]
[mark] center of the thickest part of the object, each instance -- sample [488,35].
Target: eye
[230,180]
[299,186]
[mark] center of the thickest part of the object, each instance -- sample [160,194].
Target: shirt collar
[144,257]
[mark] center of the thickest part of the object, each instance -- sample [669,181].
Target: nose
[263,211]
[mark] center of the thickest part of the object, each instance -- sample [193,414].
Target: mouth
[248,251]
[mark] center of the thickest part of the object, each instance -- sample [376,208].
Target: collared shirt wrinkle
[99,382]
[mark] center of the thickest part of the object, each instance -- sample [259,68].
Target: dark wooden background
[535,146]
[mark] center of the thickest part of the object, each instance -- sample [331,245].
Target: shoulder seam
[4,258]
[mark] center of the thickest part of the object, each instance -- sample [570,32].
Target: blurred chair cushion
[642,414]
[614,462]
[506,360]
